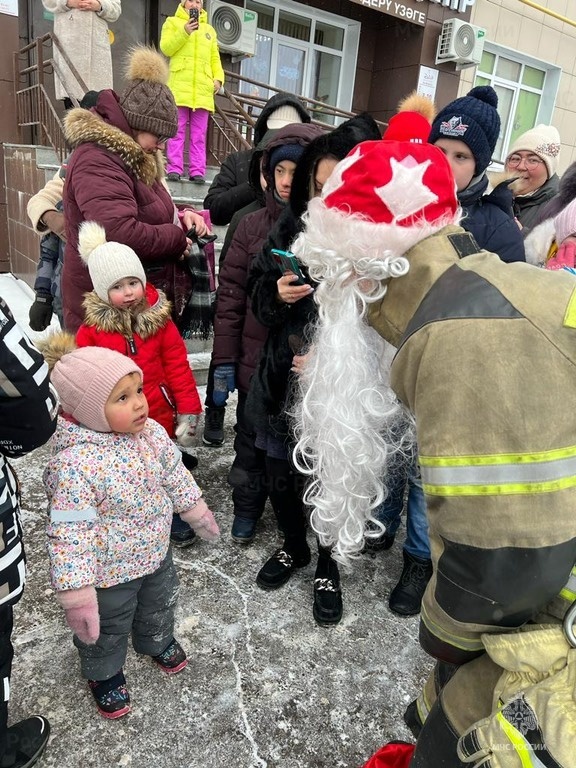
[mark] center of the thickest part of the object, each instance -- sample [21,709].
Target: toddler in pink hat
[113,482]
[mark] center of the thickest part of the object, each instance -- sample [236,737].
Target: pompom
[91,236]
[415,102]
[145,63]
[55,346]
[485,93]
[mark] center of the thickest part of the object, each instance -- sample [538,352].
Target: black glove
[40,312]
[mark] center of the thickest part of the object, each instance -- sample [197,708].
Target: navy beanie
[474,120]
[285,152]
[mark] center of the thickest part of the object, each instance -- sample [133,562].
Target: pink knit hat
[565,223]
[84,380]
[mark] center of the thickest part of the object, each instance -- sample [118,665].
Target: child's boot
[111,696]
[172,659]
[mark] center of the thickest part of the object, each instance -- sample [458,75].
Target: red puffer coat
[111,180]
[152,340]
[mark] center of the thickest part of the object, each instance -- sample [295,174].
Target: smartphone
[287,262]
[194,14]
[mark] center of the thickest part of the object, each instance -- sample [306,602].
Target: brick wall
[22,180]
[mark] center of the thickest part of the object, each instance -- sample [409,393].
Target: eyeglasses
[531,161]
[162,139]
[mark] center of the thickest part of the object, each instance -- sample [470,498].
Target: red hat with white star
[400,180]
[385,196]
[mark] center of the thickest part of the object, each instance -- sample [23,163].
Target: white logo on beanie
[453,127]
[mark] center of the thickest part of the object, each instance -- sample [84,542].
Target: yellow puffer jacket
[194,60]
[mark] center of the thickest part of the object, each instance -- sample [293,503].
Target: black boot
[327,609]
[25,742]
[277,569]
[406,597]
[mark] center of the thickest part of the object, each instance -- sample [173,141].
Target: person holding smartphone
[196,75]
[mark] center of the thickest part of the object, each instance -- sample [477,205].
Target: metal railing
[231,126]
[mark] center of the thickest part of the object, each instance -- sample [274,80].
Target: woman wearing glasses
[533,158]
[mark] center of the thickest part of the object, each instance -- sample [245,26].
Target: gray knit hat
[147,102]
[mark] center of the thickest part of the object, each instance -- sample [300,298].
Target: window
[305,51]
[526,91]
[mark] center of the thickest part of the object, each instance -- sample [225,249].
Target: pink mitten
[81,608]
[202,520]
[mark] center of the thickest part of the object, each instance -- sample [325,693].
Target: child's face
[126,409]
[126,292]
[461,160]
[283,175]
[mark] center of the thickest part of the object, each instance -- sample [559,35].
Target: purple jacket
[111,180]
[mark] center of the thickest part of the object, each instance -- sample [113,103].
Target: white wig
[346,417]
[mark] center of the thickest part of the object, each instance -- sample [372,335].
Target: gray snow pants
[143,608]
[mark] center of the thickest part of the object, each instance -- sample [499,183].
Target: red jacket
[152,340]
[111,180]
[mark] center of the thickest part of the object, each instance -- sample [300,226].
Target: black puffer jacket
[271,387]
[238,335]
[231,189]
[489,218]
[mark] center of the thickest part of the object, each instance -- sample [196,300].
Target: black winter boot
[406,597]
[277,569]
[327,609]
[25,742]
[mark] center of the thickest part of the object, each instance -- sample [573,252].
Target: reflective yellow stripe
[497,490]
[504,474]
[464,643]
[568,592]
[570,316]
[522,748]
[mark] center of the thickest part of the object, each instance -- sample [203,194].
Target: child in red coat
[126,314]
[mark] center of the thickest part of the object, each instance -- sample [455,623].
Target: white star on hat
[406,193]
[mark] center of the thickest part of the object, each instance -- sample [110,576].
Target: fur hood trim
[85,127]
[109,319]
[55,346]
[538,241]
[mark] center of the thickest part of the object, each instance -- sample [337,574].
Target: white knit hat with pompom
[107,262]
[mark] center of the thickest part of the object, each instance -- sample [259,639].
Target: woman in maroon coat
[115,177]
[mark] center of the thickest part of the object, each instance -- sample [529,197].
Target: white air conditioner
[235,28]
[460,42]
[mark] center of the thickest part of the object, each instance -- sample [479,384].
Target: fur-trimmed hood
[145,323]
[106,126]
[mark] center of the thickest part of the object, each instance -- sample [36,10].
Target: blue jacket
[490,219]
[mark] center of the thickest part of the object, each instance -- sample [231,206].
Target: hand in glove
[224,383]
[186,428]
[81,608]
[202,521]
[40,313]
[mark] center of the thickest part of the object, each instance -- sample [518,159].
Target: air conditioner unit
[235,28]
[460,42]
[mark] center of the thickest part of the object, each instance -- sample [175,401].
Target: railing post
[40,75]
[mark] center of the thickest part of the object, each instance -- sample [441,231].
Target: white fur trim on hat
[108,262]
[282,116]
[544,141]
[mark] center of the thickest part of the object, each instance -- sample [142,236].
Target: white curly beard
[343,417]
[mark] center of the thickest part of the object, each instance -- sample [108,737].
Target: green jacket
[194,60]
[486,361]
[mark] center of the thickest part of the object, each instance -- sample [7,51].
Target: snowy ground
[265,685]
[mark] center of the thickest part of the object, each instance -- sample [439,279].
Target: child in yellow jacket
[196,74]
